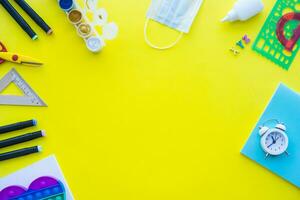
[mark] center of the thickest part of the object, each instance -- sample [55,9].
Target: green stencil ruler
[268,41]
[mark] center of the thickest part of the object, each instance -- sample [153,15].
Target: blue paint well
[66,4]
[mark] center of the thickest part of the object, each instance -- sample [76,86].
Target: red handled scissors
[16,58]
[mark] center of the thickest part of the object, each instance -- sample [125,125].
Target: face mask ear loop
[157,47]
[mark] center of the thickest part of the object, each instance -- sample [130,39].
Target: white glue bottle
[243,10]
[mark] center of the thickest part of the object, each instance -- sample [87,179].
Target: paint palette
[87,27]
[42,188]
[279,33]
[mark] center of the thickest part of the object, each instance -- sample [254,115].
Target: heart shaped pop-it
[42,188]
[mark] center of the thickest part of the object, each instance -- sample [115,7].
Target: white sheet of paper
[46,167]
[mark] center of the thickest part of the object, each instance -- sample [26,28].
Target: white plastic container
[244,10]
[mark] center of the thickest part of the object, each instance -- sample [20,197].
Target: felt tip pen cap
[49,32]
[43,133]
[40,149]
[35,37]
[34,122]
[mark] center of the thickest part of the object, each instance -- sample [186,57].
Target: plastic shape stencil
[267,43]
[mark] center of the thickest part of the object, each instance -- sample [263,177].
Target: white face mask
[176,14]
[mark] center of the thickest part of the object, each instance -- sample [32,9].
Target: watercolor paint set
[89,20]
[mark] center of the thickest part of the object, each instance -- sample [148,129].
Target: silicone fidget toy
[278,38]
[43,188]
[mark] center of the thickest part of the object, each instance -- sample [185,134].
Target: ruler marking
[30,98]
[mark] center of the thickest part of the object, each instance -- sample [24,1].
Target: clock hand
[273,140]
[277,138]
[270,145]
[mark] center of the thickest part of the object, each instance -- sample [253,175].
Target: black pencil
[19,19]
[17,126]
[34,16]
[21,138]
[20,152]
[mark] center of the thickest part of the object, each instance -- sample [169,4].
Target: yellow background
[135,123]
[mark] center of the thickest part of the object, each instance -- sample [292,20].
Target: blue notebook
[284,106]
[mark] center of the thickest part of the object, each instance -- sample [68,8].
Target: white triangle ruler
[30,98]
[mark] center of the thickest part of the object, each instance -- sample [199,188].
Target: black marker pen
[17,126]
[21,138]
[20,152]
[19,19]
[34,16]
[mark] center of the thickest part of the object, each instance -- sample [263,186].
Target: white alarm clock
[274,141]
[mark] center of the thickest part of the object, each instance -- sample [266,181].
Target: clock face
[274,142]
